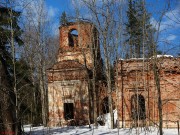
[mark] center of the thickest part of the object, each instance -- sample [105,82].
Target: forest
[29,44]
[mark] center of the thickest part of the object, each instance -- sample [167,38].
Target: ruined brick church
[135,96]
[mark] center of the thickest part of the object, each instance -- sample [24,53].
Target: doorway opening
[68,111]
[105,105]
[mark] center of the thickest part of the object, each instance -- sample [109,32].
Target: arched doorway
[105,106]
[138,110]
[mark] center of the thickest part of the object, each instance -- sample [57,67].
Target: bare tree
[39,50]
[104,18]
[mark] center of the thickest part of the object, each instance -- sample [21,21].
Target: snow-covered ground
[101,130]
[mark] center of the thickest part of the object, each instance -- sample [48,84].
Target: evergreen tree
[131,26]
[9,31]
[138,30]
[63,19]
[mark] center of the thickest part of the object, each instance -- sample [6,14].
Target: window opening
[73,38]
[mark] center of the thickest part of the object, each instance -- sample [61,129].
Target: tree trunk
[157,81]
[94,102]
[43,100]
[6,101]
[122,94]
[108,78]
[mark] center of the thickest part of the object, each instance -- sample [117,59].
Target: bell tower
[77,39]
[68,78]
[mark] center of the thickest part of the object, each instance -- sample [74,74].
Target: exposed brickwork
[68,78]
[69,82]
[138,78]
[87,35]
[61,92]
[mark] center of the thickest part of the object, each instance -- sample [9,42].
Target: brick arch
[138,109]
[105,106]
[85,34]
[73,37]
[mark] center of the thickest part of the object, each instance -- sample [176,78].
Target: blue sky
[60,5]
[169,39]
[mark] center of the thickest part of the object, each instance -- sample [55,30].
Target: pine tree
[131,26]
[63,19]
[9,31]
[138,21]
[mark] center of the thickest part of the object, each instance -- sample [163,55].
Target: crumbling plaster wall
[138,78]
[68,78]
[73,91]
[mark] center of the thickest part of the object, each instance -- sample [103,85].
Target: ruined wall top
[76,35]
[76,42]
[163,63]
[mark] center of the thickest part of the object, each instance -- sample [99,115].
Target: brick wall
[136,77]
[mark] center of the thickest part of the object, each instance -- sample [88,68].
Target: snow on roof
[137,58]
[162,56]
[159,56]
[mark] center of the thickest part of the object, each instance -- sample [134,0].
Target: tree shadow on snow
[56,130]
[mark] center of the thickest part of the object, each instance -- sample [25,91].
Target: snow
[137,58]
[158,56]
[106,118]
[101,130]
[163,56]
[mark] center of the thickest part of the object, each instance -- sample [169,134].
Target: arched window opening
[73,38]
[138,107]
[105,106]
